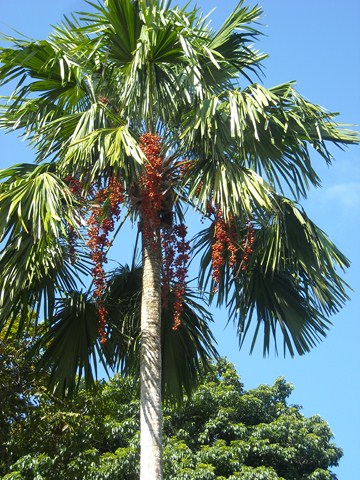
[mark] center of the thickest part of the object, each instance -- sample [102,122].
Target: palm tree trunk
[150,363]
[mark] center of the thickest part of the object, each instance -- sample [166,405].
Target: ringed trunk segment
[150,362]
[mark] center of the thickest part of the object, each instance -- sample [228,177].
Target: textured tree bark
[150,363]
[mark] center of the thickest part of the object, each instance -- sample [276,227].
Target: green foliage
[221,432]
[88,437]
[16,388]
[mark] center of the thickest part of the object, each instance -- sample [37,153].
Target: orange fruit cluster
[151,186]
[105,210]
[175,248]
[224,247]
[181,270]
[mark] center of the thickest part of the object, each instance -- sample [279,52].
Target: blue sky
[316,43]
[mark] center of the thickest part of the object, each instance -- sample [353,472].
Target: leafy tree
[140,106]
[221,432]
[16,382]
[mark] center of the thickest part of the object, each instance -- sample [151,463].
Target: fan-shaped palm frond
[289,281]
[232,43]
[49,83]
[69,345]
[257,140]
[37,207]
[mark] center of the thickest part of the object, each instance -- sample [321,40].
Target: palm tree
[140,106]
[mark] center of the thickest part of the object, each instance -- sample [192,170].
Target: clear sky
[316,43]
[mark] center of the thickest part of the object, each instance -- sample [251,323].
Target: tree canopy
[221,432]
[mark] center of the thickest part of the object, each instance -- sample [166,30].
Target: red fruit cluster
[175,268]
[105,210]
[151,185]
[103,100]
[247,246]
[75,186]
[175,248]
[223,247]
[181,271]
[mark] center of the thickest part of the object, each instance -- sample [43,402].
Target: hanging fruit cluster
[247,246]
[179,270]
[151,186]
[175,255]
[156,217]
[224,247]
[104,211]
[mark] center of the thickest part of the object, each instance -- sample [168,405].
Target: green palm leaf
[69,345]
[36,209]
[290,282]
